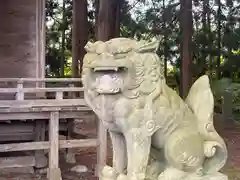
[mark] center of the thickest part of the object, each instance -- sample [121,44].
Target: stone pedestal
[215,176]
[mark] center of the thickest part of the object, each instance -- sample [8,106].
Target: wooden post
[40,38]
[54,170]
[20,93]
[70,154]
[40,159]
[59,95]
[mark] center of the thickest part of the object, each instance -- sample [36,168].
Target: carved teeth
[113,90]
[105,69]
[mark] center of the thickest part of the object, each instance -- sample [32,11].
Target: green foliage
[226,84]
[146,19]
[54,28]
[216,38]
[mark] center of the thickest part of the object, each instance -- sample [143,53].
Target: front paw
[108,173]
[122,177]
[137,176]
[172,174]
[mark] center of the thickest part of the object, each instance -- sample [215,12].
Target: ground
[88,157]
[232,138]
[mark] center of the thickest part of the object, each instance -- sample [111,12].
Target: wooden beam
[43,115]
[35,90]
[21,104]
[22,161]
[16,137]
[40,79]
[29,146]
[12,128]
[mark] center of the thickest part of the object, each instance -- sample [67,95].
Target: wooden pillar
[40,125]
[54,172]
[18,39]
[40,38]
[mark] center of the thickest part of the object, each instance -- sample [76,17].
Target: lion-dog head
[121,66]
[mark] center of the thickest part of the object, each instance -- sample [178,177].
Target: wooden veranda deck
[37,108]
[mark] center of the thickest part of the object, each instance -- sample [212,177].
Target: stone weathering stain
[155,134]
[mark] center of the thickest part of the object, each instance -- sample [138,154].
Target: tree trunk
[80,35]
[205,40]
[165,41]
[103,29]
[219,28]
[210,39]
[96,5]
[229,30]
[186,43]
[115,20]
[63,39]
[108,19]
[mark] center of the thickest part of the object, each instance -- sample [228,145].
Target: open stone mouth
[108,80]
[109,69]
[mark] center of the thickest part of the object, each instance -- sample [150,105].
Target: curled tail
[200,101]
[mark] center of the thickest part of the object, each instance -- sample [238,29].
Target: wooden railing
[52,110]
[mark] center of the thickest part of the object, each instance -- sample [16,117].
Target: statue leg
[119,152]
[119,158]
[138,155]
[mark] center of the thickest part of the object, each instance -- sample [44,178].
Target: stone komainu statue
[155,134]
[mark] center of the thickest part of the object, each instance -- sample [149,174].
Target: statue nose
[107,57]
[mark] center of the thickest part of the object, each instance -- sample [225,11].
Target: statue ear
[149,47]
[200,99]
[89,47]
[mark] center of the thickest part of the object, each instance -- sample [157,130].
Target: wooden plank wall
[22,40]
[18,38]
